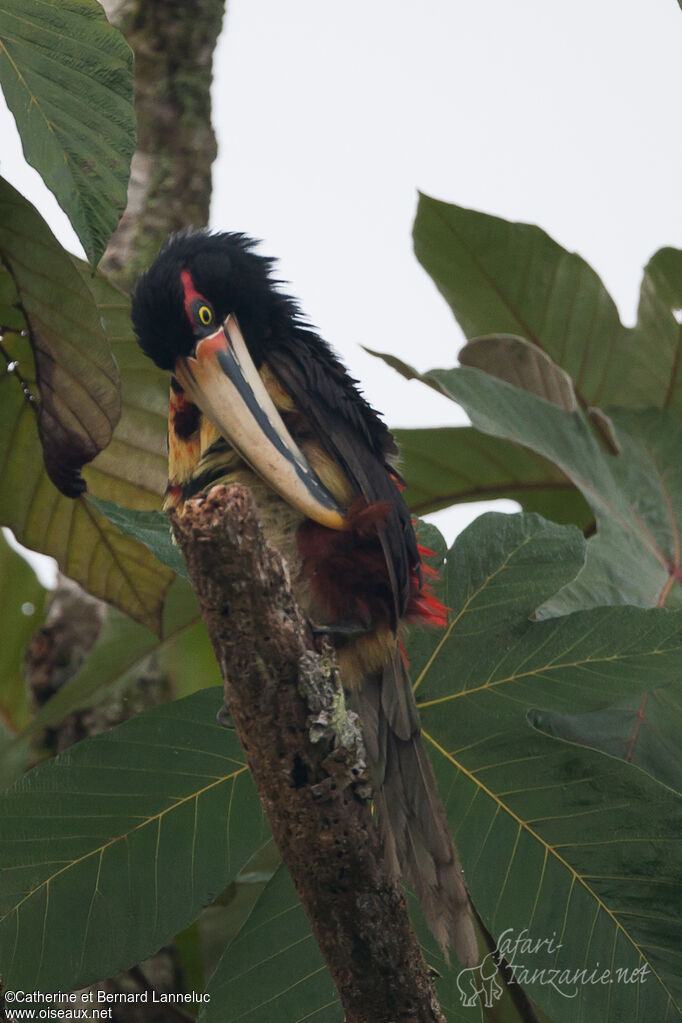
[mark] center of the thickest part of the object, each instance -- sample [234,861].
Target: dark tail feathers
[417,842]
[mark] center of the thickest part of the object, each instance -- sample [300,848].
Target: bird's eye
[201,315]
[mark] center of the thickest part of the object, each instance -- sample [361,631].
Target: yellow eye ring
[205,315]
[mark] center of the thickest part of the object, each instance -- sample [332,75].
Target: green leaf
[554,837]
[114,846]
[453,465]
[636,496]
[189,958]
[521,364]
[115,663]
[15,755]
[501,277]
[149,527]
[87,547]
[76,375]
[22,598]
[186,655]
[644,731]
[499,665]
[639,531]
[67,76]
[659,305]
[223,920]
[133,469]
[273,969]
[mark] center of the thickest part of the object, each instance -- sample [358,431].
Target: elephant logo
[478,982]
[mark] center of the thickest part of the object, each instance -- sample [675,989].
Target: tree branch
[170,176]
[306,755]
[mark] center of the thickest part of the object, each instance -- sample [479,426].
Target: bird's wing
[353,435]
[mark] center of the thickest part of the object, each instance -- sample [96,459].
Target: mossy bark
[170,185]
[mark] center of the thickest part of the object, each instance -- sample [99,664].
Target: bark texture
[55,655]
[170,180]
[305,751]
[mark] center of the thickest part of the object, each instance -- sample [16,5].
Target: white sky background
[330,117]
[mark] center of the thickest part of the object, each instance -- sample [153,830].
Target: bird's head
[195,282]
[206,310]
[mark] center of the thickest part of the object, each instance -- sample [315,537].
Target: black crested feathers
[235,279]
[225,271]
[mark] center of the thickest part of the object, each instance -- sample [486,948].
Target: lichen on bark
[170,186]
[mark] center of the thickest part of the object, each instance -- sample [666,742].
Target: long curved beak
[223,381]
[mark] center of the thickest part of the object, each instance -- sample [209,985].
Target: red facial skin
[191,293]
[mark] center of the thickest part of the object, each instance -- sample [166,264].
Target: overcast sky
[330,117]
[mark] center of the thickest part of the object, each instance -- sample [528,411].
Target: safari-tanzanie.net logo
[527,960]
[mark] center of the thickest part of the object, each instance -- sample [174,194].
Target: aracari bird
[257,397]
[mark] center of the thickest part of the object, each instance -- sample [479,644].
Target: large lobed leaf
[644,731]
[273,969]
[522,364]
[64,305]
[149,527]
[509,278]
[636,496]
[653,372]
[554,838]
[67,76]
[76,375]
[443,466]
[88,548]
[132,471]
[502,277]
[114,846]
